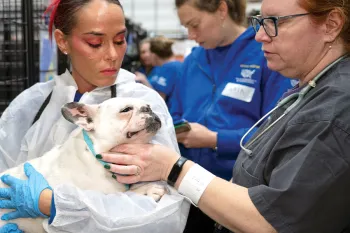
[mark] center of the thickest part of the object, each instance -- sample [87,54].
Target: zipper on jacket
[212,101]
[212,94]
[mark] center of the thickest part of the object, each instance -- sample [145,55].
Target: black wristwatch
[175,171]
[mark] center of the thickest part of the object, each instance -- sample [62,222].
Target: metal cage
[20,22]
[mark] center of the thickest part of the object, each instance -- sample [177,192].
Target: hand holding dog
[23,195]
[198,137]
[133,163]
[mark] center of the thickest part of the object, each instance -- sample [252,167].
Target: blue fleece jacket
[226,89]
[164,79]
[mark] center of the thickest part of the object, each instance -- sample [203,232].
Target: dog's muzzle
[153,123]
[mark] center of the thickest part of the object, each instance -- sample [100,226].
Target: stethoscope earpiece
[249,152]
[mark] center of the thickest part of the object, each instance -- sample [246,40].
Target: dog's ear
[80,114]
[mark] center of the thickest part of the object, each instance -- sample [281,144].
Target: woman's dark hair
[161,46]
[63,13]
[318,8]
[236,8]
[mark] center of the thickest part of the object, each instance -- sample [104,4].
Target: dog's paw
[153,190]
[156,191]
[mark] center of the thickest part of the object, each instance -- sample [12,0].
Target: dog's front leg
[155,190]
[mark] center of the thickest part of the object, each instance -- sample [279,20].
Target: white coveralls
[88,211]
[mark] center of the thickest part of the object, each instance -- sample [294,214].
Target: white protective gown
[78,210]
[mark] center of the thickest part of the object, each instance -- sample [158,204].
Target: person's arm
[226,203]
[139,77]
[303,176]
[226,142]
[45,201]
[231,206]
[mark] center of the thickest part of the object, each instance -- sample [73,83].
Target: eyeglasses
[270,23]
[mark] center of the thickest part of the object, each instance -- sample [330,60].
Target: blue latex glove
[23,195]
[10,228]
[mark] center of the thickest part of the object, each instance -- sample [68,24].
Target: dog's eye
[127,109]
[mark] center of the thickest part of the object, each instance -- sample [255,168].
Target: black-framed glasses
[270,23]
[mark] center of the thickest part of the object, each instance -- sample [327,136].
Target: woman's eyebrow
[121,32]
[94,33]
[102,34]
[189,22]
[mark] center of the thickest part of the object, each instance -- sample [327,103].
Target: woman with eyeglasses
[223,88]
[293,175]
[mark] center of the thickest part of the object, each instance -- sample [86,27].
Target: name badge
[238,91]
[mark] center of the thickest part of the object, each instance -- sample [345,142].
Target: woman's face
[154,59]
[300,43]
[97,45]
[203,27]
[145,54]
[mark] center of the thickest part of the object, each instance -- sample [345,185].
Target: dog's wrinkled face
[131,118]
[126,120]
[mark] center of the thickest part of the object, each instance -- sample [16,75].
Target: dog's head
[119,120]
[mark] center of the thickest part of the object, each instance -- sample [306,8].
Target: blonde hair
[162,46]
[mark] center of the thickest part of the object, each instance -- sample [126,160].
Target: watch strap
[175,171]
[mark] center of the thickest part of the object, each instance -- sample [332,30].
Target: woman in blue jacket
[147,70]
[168,68]
[224,88]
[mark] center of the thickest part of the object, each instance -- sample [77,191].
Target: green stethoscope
[298,96]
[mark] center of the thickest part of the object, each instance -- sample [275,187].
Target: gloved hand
[10,228]
[23,195]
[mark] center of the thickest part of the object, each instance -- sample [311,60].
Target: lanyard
[90,144]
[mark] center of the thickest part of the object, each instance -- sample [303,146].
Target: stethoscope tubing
[298,96]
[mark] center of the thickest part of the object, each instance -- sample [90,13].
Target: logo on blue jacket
[247,76]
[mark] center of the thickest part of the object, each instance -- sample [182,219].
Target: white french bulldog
[115,121]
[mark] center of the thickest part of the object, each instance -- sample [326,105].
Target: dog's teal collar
[90,144]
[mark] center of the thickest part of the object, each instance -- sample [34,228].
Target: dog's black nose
[146,109]
[153,123]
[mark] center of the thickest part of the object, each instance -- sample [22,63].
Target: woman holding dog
[92,34]
[225,86]
[293,174]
